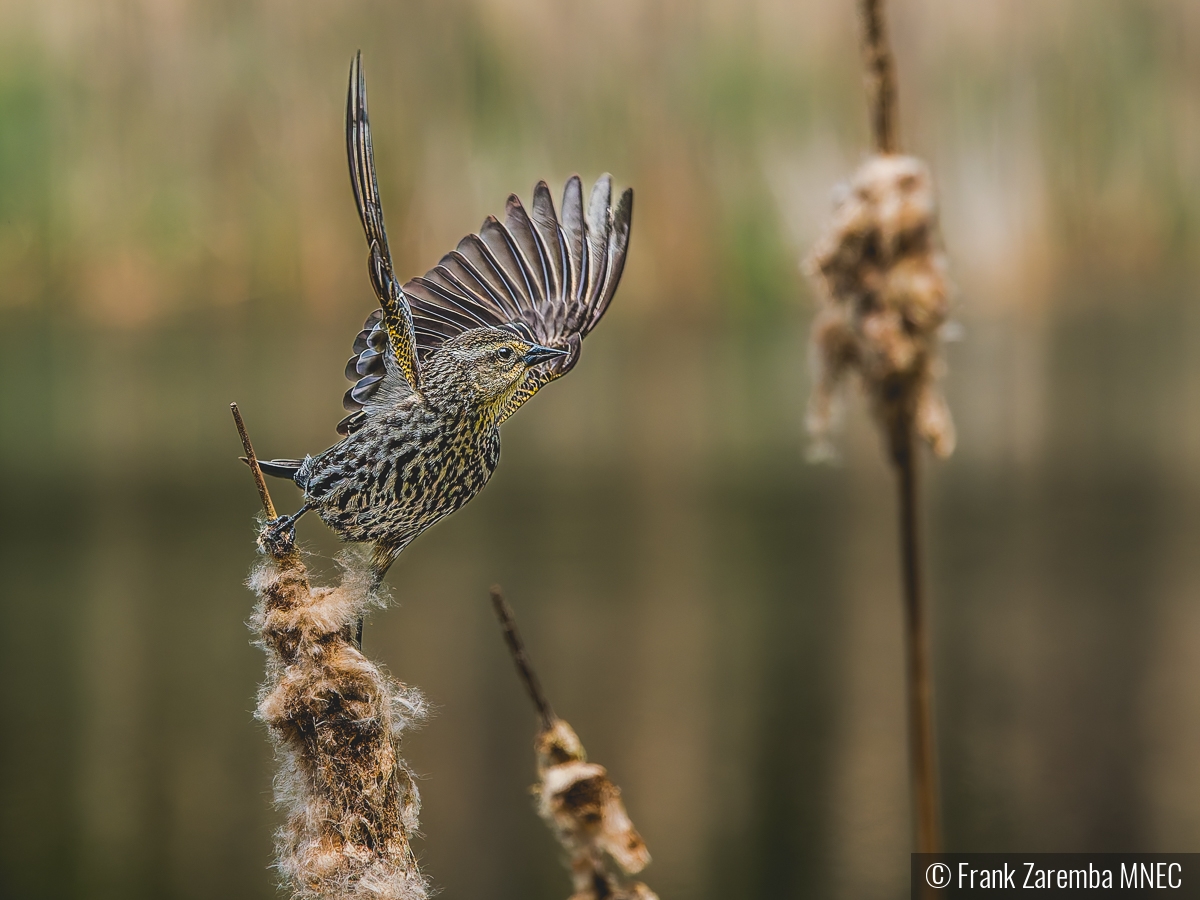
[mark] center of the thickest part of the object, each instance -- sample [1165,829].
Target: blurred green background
[718,620]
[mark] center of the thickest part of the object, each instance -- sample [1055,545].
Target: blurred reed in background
[177,231]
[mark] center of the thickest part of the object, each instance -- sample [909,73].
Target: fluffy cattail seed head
[350,801]
[585,811]
[881,280]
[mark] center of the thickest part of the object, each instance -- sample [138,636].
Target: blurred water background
[718,620]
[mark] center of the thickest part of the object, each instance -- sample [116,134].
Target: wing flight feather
[549,279]
[396,318]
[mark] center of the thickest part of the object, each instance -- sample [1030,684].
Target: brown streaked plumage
[451,355]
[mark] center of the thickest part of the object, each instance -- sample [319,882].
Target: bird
[449,356]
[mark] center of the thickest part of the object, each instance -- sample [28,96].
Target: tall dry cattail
[881,278]
[336,720]
[576,798]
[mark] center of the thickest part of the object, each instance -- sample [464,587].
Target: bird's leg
[382,557]
[280,534]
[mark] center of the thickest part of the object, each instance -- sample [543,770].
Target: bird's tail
[279,468]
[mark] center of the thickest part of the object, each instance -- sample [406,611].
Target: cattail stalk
[922,746]
[882,101]
[881,76]
[881,277]
[576,798]
[351,803]
[881,79]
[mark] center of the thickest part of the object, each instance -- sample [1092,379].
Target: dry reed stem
[576,798]
[880,76]
[516,648]
[336,721]
[881,279]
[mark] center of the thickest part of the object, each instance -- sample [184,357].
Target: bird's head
[483,367]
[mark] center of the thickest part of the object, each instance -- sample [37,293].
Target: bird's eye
[504,354]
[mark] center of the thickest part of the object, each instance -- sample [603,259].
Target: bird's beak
[538,354]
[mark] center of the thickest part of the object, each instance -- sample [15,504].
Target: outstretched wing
[387,347]
[548,280]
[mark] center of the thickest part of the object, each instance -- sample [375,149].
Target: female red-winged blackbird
[452,355]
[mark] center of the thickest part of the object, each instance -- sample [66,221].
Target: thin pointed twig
[252,461]
[529,678]
[881,77]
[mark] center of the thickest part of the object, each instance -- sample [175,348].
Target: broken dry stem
[516,647]
[576,798]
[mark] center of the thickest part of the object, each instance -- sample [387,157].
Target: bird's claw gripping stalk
[278,538]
